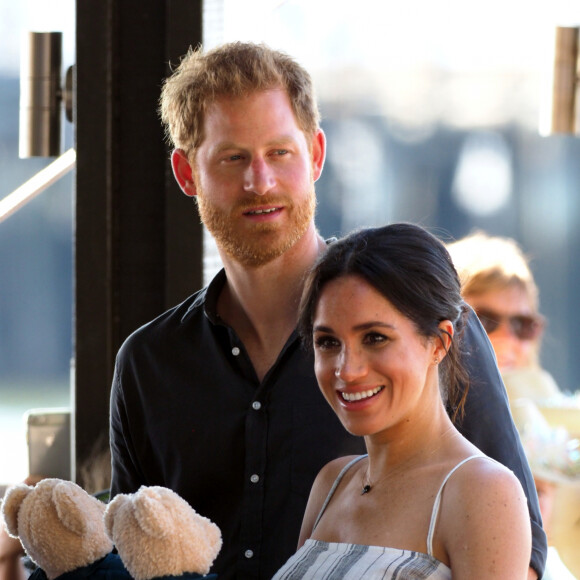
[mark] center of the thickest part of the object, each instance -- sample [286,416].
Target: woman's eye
[375,338]
[325,342]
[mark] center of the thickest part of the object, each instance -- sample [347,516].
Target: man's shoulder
[187,313]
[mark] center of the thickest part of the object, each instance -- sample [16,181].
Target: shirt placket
[256,431]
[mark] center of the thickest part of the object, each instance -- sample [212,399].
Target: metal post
[40,95]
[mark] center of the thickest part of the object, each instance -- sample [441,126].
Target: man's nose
[259,177]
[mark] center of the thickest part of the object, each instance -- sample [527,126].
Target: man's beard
[265,241]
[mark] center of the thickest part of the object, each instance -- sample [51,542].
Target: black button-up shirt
[189,413]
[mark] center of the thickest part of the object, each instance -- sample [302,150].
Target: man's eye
[236,157]
[281,151]
[325,342]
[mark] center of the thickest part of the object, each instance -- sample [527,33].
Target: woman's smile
[371,363]
[352,397]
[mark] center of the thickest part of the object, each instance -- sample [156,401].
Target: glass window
[431,110]
[35,250]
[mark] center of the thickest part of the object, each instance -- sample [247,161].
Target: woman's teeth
[360,395]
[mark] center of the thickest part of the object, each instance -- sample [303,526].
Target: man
[216,399]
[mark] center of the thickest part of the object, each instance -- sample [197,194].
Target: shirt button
[235,351]
[255,478]
[256,405]
[249,554]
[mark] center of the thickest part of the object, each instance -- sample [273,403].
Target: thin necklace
[366,484]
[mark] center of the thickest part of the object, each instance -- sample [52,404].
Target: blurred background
[36,250]
[431,110]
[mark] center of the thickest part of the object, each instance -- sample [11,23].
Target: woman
[383,311]
[498,283]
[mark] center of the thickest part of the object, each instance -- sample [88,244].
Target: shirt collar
[208,298]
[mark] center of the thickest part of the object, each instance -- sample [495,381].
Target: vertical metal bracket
[41,95]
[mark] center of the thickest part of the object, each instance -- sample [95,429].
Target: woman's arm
[488,425]
[485,524]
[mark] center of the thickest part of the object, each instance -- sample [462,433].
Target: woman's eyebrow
[362,326]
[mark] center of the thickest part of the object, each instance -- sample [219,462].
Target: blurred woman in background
[498,284]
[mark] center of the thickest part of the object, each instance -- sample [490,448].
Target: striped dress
[317,560]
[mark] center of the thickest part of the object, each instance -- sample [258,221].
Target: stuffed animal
[61,527]
[157,533]
[66,531]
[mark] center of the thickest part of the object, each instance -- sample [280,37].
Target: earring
[436,361]
[337,373]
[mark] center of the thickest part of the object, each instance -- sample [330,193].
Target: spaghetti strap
[437,504]
[335,485]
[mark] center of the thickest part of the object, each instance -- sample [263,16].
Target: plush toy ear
[69,500]
[211,532]
[111,511]
[11,503]
[151,513]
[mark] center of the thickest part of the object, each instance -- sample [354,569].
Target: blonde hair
[235,69]
[489,264]
[485,263]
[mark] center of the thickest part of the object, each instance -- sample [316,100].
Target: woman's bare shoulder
[482,479]
[483,471]
[484,521]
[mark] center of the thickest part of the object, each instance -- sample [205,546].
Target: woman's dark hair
[412,269]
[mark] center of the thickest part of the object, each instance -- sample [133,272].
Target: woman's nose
[351,366]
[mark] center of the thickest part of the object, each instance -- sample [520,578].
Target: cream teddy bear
[157,533]
[61,528]
[69,534]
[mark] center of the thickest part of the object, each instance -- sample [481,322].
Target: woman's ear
[443,343]
[183,172]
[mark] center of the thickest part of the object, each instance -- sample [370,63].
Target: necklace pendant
[366,488]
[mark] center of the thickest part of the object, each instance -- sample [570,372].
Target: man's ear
[318,153]
[183,172]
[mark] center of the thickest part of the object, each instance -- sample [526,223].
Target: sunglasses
[524,326]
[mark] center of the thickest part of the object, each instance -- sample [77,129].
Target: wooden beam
[138,242]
